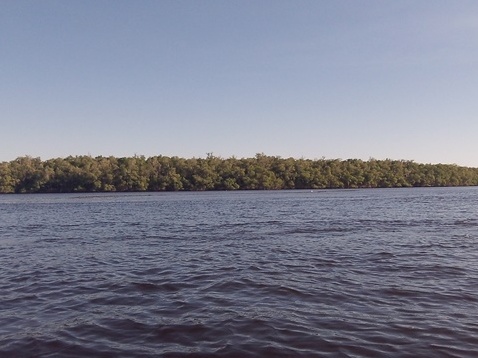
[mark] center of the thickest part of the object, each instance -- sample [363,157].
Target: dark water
[359,273]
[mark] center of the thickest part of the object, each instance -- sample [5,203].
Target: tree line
[162,173]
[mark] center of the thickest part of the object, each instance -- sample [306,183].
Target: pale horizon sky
[334,79]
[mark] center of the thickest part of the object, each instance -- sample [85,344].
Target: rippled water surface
[352,273]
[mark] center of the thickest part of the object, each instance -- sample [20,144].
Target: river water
[328,273]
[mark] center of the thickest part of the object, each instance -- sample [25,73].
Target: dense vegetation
[159,173]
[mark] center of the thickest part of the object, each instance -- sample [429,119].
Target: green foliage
[161,173]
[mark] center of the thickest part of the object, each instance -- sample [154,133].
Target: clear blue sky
[335,79]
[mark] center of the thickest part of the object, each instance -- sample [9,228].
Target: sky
[315,79]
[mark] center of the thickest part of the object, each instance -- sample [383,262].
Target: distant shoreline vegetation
[161,173]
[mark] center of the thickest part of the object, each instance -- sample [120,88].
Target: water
[342,273]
